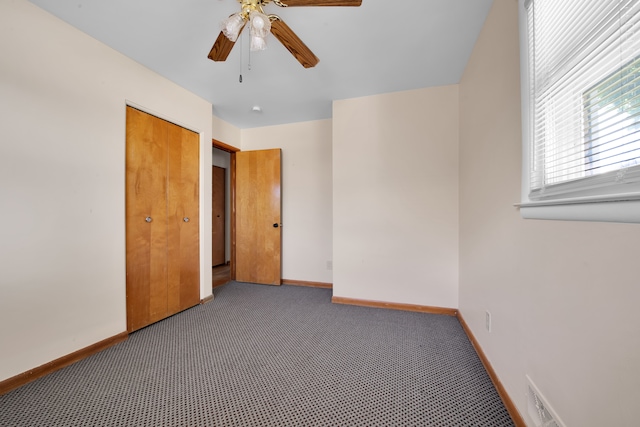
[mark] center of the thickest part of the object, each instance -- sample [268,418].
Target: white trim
[525,98]
[582,200]
[627,211]
[620,181]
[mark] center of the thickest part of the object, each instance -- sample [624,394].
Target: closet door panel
[158,308]
[183,217]
[146,220]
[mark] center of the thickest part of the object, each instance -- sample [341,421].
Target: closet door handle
[185,219]
[148,219]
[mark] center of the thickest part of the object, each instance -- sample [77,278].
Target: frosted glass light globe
[258,43]
[232,25]
[258,22]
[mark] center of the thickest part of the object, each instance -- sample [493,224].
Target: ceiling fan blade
[293,44]
[222,47]
[293,3]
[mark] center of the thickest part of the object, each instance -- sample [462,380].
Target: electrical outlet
[487,320]
[329,265]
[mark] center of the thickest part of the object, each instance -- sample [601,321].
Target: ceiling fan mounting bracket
[249,6]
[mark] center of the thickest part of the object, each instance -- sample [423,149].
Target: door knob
[185,219]
[148,219]
[276,225]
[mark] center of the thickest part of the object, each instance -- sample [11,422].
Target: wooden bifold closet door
[162,219]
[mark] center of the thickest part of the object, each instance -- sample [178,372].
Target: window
[612,121]
[582,101]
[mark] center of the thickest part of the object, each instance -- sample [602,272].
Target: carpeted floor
[272,356]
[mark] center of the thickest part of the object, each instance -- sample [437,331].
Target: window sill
[615,208]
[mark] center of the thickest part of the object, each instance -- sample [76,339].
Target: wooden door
[258,217]
[218,221]
[183,211]
[161,191]
[146,220]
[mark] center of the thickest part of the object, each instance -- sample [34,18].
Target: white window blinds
[584,59]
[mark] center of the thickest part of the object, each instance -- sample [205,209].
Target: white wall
[62,171]
[563,295]
[306,195]
[395,197]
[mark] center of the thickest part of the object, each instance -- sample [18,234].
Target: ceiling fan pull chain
[240,79]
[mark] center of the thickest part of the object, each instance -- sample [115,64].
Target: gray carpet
[272,356]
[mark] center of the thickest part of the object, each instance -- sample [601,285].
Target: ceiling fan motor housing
[249,6]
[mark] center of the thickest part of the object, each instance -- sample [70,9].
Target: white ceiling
[382,46]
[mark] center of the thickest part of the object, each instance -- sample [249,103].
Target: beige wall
[563,295]
[229,134]
[62,167]
[376,190]
[225,132]
[306,195]
[395,197]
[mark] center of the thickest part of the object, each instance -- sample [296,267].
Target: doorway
[258,257]
[219,214]
[222,160]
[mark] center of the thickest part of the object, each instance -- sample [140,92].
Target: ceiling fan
[261,24]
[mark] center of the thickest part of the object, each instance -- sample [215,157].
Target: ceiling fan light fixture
[260,27]
[258,43]
[260,23]
[232,25]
